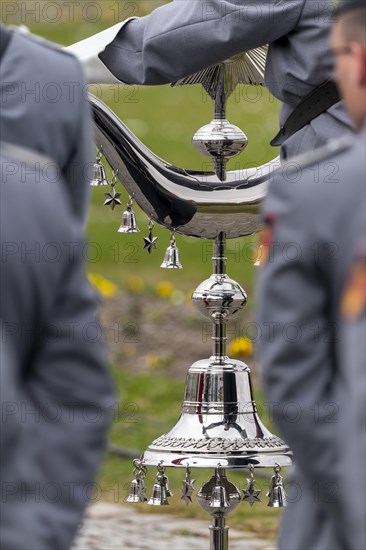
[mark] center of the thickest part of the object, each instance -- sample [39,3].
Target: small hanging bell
[135,491]
[138,489]
[219,495]
[171,259]
[276,493]
[128,224]
[159,492]
[99,175]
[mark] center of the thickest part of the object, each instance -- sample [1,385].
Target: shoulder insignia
[265,240]
[353,301]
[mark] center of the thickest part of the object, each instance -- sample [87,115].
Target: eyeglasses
[326,61]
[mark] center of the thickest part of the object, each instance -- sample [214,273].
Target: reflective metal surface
[219,292]
[220,141]
[219,421]
[218,496]
[194,203]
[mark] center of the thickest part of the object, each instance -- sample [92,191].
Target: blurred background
[153,332]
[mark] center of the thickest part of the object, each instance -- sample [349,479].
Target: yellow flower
[135,283]
[240,347]
[104,286]
[152,361]
[165,289]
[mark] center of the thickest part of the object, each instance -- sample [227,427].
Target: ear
[359,57]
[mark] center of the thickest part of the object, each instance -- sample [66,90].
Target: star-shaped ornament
[251,494]
[187,490]
[112,198]
[150,242]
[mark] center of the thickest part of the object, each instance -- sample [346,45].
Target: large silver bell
[128,224]
[159,495]
[276,493]
[99,175]
[171,258]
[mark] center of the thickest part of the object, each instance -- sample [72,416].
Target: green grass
[165,119]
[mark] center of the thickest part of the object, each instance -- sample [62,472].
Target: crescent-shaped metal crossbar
[193,203]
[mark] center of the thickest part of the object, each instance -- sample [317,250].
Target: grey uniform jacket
[58,394]
[44,106]
[312,316]
[182,37]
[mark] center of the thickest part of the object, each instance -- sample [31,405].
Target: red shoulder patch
[353,300]
[265,240]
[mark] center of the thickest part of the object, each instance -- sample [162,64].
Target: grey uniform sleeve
[77,171]
[297,339]
[183,37]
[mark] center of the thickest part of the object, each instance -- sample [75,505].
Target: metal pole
[219,254]
[219,534]
[219,325]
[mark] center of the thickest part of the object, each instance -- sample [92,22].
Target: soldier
[183,37]
[312,313]
[56,394]
[44,106]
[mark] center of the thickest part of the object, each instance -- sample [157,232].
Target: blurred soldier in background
[44,106]
[312,296]
[56,394]
[183,37]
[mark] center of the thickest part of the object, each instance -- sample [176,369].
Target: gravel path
[115,527]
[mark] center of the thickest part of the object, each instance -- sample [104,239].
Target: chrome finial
[219,140]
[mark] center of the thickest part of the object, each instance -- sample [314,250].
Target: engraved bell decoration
[276,493]
[171,258]
[159,492]
[128,224]
[99,175]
